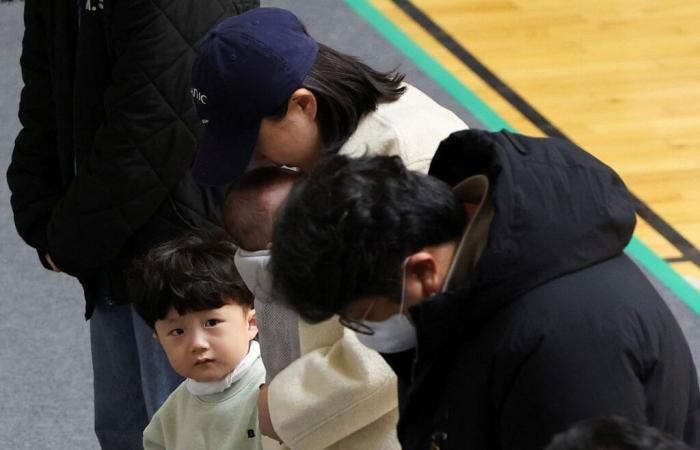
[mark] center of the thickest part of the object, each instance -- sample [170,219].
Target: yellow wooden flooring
[621,78]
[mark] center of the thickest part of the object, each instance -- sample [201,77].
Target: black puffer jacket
[100,169]
[559,325]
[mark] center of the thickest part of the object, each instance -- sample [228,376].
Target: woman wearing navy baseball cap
[265,89]
[268,93]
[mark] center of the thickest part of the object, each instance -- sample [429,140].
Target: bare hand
[264,414]
[51,263]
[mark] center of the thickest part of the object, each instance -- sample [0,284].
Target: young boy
[337,394]
[202,314]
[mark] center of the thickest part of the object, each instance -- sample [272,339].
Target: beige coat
[338,395]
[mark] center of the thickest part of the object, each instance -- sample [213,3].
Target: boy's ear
[304,101]
[252,323]
[155,336]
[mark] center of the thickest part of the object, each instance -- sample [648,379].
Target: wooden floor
[620,77]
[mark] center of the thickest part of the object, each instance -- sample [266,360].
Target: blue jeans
[132,376]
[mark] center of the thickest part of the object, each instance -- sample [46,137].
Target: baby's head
[252,203]
[200,309]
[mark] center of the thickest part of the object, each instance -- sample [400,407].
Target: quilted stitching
[186,119]
[148,102]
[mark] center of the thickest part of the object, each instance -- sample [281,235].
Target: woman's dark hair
[193,273]
[346,89]
[345,231]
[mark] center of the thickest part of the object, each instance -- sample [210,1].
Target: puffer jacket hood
[557,208]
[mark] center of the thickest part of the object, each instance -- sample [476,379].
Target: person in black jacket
[506,305]
[100,171]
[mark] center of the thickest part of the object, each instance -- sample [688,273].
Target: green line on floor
[429,65]
[663,271]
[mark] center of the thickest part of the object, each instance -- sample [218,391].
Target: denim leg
[120,412]
[158,379]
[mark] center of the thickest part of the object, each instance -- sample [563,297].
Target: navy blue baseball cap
[246,69]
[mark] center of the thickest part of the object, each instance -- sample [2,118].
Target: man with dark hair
[613,433]
[505,304]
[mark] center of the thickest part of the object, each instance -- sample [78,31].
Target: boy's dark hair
[345,231]
[614,433]
[346,89]
[247,217]
[193,273]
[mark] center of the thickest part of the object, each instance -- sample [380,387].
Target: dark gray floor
[45,371]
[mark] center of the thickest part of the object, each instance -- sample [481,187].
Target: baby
[249,213]
[202,314]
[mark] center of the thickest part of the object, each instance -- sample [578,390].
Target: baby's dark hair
[249,212]
[192,273]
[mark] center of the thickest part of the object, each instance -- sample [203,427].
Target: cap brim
[222,158]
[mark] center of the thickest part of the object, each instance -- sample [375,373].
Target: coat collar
[447,310]
[473,190]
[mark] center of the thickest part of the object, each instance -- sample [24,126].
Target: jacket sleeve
[153,438]
[33,177]
[143,146]
[566,378]
[335,389]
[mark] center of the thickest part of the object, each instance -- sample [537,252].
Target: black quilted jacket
[100,169]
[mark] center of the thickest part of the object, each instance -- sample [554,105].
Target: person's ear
[155,336]
[303,101]
[252,323]
[422,277]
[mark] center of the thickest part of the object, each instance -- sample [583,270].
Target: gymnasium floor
[615,77]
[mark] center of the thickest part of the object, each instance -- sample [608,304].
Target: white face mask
[395,334]
[253,268]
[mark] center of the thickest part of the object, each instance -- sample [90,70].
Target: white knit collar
[213,387]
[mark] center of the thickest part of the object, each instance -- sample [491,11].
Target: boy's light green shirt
[227,420]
